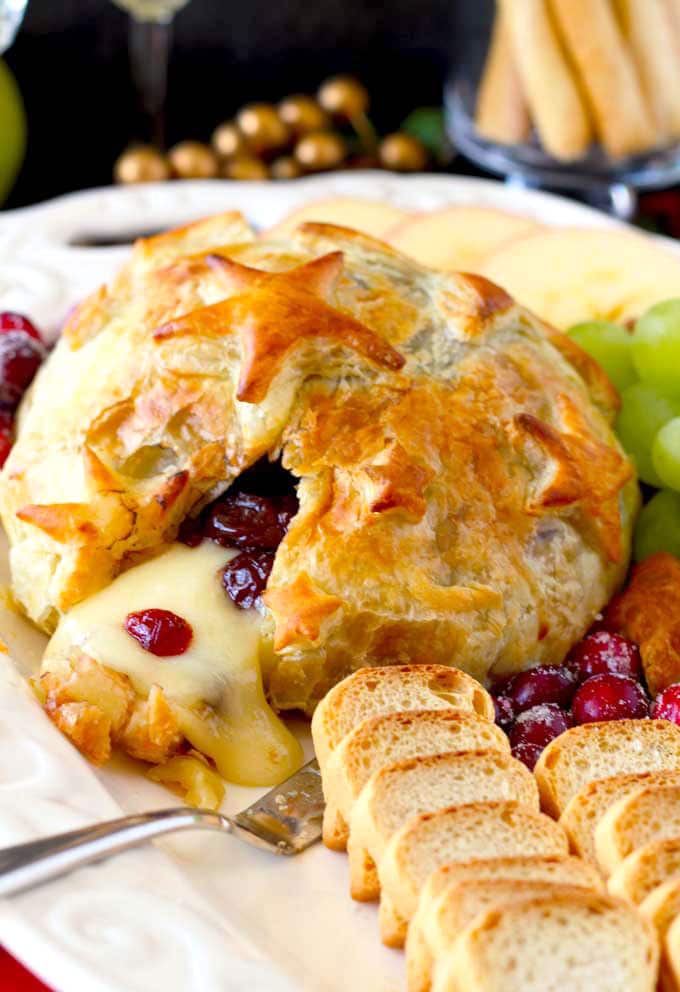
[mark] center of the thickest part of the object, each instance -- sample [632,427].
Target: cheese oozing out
[215,687]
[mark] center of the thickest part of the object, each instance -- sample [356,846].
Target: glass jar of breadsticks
[573,95]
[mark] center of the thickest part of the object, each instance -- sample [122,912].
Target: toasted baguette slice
[669,978]
[480,830]
[645,869]
[382,740]
[584,810]
[519,871]
[603,750]
[662,905]
[648,814]
[400,791]
[439,922]
[577,941]
[392,689]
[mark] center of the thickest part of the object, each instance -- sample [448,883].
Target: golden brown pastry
[462,497]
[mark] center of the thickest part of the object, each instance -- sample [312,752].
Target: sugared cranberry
[245,520]
[161,632]
[505,712]
[528,754]
[20,359]
[244,578]
[609,697]
[17,322]
[605,652]
[667,704]
[539,725]
[546,684]
[6,441]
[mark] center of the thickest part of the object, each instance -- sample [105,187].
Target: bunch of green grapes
[644,365]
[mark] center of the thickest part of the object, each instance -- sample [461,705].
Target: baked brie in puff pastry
[462,498]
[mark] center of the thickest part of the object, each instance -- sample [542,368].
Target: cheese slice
[215,687]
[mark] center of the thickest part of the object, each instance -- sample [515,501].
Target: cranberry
[609,697]
[539,725]
[505,712]
[667,704]
[20,359]
[191,532]
[17,322]
[245,520]
[528,754]
[6,440]
[161,632]
[546,684]
[604,652]
[245,577]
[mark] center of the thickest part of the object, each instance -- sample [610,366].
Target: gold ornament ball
[320,150]
[402,153]
[245,167]
[141,165]
[228,141]
[285,167]
[193,160]
[262,127]
[344,96]
[302,114]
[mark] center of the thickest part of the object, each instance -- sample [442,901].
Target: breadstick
[648,29]
[502,114]
[673,12]
[593,38]
[555,103]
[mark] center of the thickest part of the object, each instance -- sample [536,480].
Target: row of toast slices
[445,827]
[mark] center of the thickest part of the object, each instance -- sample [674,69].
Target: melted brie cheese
[236,728]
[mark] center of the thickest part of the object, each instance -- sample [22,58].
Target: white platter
[200,913]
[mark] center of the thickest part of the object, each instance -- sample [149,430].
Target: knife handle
[24,866]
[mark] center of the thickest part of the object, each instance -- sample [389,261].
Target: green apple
[12,130]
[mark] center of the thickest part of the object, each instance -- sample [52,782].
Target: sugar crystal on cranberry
[20,358]
[603,652]
[609,697]
[667,704]
[545,684]
[10,321]
[539,725]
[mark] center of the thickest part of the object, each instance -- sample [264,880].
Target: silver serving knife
[285,821]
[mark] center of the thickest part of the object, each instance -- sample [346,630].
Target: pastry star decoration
[586,471]
[274,312]
[397,482]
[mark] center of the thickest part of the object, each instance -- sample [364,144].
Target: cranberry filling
[160,632]
[245,520]
[252,516]
[244,578]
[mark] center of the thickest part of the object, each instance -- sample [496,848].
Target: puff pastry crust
[462,497]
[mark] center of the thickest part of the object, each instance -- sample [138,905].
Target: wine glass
[150,42]
[11,15]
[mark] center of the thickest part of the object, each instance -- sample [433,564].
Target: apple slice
[458,237]
[569,275]
[368,216]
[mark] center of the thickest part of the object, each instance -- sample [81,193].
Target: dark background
[71,61]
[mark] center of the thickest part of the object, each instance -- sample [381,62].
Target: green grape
[12,130]
[656,345]
[644,411]
[658,526]
[610,346]
[666,454]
